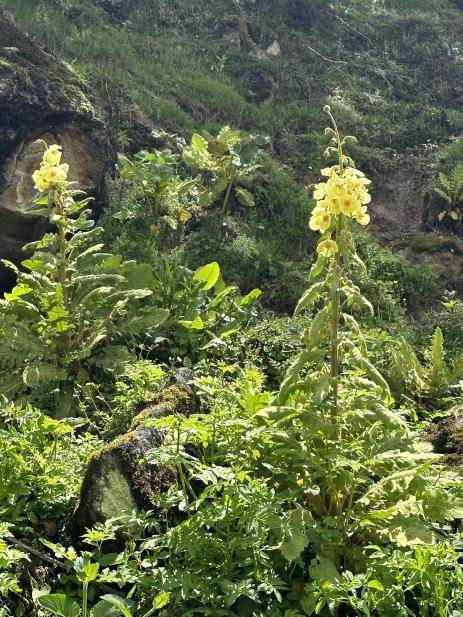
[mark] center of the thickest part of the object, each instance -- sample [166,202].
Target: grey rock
[273,49]
[231,40]
[40,98]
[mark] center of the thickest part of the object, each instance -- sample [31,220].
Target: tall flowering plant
[70,318]
[365,484]
[342,199]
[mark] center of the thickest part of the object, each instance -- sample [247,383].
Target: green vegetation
[308,443]
[232,330]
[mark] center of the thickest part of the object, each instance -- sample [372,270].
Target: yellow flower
[320,220]
[350,205]
[52,156]
[184,216]
[41,183]
[320,191]
[327,248]
[49,175]
[333,205]
[330,171]
[362,217]
[56,173]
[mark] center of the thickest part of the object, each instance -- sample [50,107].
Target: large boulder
[117,479]
[40,98]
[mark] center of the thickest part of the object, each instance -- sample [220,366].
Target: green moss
[172,400]
[115,496]
[113,445]
[431,244]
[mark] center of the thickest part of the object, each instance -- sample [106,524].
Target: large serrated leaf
[309,298]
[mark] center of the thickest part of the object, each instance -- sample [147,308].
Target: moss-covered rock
[40,98]
[447,439]
[117,479]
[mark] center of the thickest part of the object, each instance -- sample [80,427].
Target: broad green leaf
[88,573]
[244,197]
[323,388]
[60,605]
[105,609]
[407,532]
[199,142]
[374,584]
[37,374]
[196,324]
[294,545]
[161,600]
[208,275]
[323,570]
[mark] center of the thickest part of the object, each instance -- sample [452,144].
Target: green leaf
[88,573]
[323,570]
[123,604]
[294,545]
[105,609]
[196,324]
[318,267]
[161,600]
[198,142]
[59,604]
[410,531]
[250,298]
[323,388]
[208,275]
[244,197]
[309,297]
[374,584]
[39,373]
[318,326]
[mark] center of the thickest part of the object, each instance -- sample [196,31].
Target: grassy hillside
[391,69]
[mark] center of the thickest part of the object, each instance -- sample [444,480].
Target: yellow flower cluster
[344,193]
[52,171]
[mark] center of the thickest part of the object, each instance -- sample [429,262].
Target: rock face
[117,480]
[40,98]
[447,439]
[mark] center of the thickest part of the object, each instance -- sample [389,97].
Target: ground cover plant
[246,369]
[303,487]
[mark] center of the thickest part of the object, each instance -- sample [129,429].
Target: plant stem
[334,343]
[227,197]
[84,599]
[336,303]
